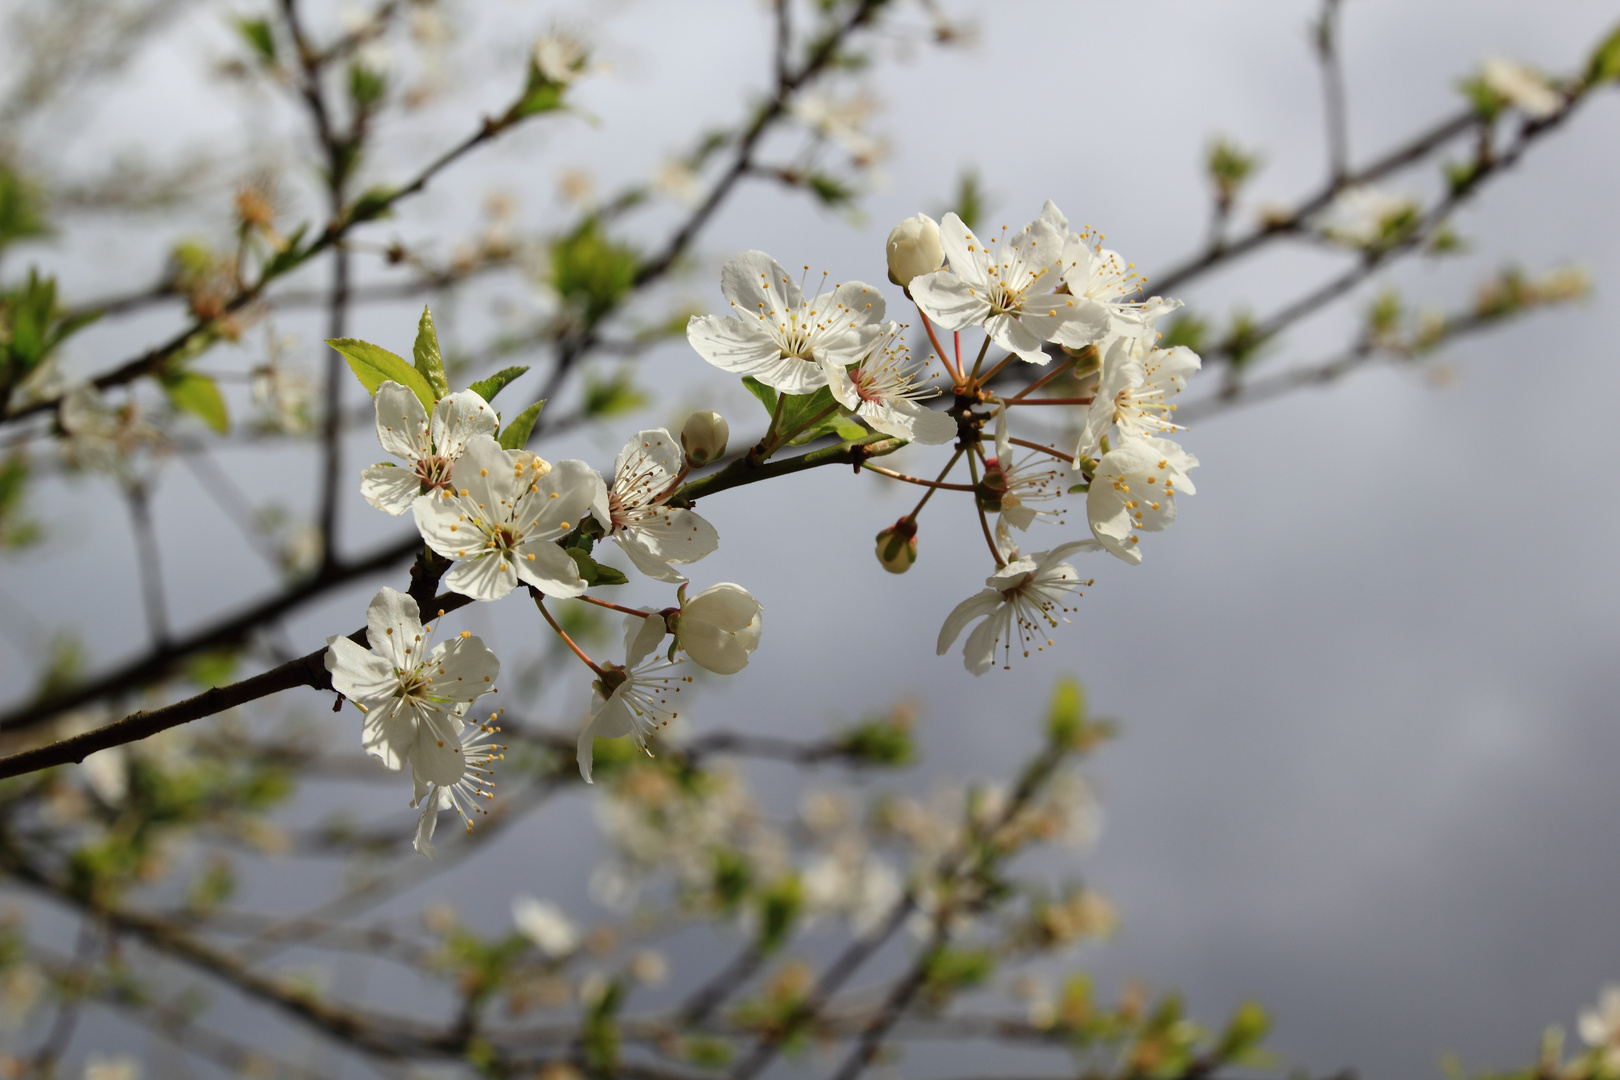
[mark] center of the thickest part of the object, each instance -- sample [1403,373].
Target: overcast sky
[1367,682]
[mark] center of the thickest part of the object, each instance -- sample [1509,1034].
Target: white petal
[861,300]
[394,626]
[752,278]
[389,733]
[975,606]
[458,417]
[949,300]
[655,454]
[979,650]
[358,673]
[425,823]
[1011,334]
[390,488]
[548,568]
[463,670]
[436,755]
[642,636]
[485,471]
[484,576]
[402,423]
[967,256]
[742,345]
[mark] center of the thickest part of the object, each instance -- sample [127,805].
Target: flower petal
[485,576]
[394,627]
[979,604]
[742,345]
[949,300]
[390,488]
[757,284]
[458,417]
[402,423]
[548,568]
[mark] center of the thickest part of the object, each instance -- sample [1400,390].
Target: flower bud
[719,627]
[914,249]
[992,489]
[704,437]
[897,546]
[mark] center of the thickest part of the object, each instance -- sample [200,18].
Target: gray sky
[1366,682]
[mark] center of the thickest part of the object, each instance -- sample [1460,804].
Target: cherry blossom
[635,699]
[1009,288]
[459,789]
[883,389]
[778,336]
[635,515]
[428,444]
[1027,596]
[1134,392]
[1135,487]
[497,520]
[413,692]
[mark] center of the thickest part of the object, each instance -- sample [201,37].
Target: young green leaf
[488,388]
[766,396]
[374,365]
[429,361]
[198,395]
[594,572]
[517,432]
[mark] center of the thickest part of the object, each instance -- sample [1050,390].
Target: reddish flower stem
[540,602]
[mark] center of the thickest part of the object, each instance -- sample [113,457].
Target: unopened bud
[914,249]
[704,437]
[989,492]
[897,546]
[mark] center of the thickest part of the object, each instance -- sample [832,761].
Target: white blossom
[1009,288]
[635,515]
[854,884]
[1026,481]
[1600,1026]
[1366,216]
[638,702]
[499,516]
[1027,595]
[545,924]
[1135,487]
[1523,87]
[459,789]
[1102,282]
[428,445]
[841,121]
[719,627]
[778,336]
[883,389]
[1134,392]
[412,691]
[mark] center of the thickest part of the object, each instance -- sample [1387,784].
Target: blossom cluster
[497,516]
[494,516]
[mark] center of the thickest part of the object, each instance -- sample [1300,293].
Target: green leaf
[591,271]
[837,425]
[541,97]
[488,388]
[594,572]
[612,396]
[374,365]
[288,257]
[766,396]
[374,203]
[256,32]
[428,359]
[517,432]
[198,395]
[1605,65]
